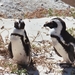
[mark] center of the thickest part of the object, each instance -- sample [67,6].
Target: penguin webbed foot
[65,65]
[22,66]
[26,66]
[29,67]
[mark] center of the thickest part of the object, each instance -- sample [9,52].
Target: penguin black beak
[46,25]
[51,24]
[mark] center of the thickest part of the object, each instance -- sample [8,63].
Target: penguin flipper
[27,44]
[27,40]
[57,52]
[71,53]
[10,50]
[27,48]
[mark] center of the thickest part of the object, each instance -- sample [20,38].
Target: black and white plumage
[19,46]
[63,42]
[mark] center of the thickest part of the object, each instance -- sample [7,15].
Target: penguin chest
[60,49]
[18,51]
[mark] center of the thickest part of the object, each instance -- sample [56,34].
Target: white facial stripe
[22,21]
[19,25]
[17,20]
[59,27]
[57,31]
[58,22]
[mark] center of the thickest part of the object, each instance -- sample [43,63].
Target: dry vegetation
[42,51]
[42,12]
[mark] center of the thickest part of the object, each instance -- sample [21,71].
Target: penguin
[19,46]
[63,42]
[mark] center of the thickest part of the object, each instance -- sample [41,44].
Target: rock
[70,2]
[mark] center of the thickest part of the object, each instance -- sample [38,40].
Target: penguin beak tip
[44,25]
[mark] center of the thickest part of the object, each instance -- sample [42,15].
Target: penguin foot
[26,66]
[22,66]
[65,65]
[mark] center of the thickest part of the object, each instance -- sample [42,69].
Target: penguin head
[57,24]
[19,24]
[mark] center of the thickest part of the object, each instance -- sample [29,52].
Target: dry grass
[38,13]
[42,12]
[41,51]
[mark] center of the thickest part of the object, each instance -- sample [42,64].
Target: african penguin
[19,46]
[63,42]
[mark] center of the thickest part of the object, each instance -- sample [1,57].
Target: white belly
[60,49]
[19,54]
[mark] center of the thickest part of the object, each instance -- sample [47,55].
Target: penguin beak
[46,25]
[49,24]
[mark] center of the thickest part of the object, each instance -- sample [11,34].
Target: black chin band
[15,34]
